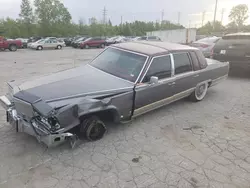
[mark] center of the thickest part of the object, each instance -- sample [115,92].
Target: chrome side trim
[90,93]
[162,102]
[151,63]
[218,80]
[172,63]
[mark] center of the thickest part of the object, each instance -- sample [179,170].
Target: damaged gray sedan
[124,81]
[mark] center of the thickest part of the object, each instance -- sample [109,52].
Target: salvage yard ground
[185,144]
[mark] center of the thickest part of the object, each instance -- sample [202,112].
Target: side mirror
[153,80]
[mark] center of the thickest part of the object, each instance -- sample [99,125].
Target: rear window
[208,40]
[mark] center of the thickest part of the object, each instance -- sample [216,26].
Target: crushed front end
[30,114]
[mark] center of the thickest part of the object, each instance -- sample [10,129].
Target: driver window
[160,67]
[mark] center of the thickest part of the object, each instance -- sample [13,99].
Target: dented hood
[78,82]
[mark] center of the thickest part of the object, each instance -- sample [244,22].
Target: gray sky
[191,10]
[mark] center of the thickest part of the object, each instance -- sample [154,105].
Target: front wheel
[13,48]
[102,45]
[92,129]
[199,92]
[86,46]
[39,48]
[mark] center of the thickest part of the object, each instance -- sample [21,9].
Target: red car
[97,42]
[12,45]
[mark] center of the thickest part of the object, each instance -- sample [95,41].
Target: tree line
[237,16]
[52,18]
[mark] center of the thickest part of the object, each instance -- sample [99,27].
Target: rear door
[232,47]
[185,77]
[1,43]
[47,44]
[96,42]
[151,96]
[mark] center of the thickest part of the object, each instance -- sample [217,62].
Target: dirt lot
[185,144]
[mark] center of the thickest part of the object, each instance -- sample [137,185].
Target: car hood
[76,83]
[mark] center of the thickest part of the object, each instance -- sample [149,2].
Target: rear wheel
[92,128]
[39,48]
[59,47]
[13,48]
[102,46]
[199,92]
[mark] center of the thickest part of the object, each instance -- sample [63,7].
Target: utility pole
[104,13]
[162,15]
[215,12]
[121,20]
[203,18]
[222,15]
[189,26]
[179,17]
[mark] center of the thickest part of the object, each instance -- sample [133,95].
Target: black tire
[86,46]
[59,47]
[199,92]
[13,48]
[102,46]
[39,48]
[92,129]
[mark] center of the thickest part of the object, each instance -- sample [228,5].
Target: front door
[151,96]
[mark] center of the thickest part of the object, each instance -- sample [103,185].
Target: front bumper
[32,128]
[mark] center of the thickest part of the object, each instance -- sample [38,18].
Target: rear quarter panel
[214,71]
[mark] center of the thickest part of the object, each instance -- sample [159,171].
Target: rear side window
[152,38]
[196,65]
[182,63]
[160,67]
[202,59]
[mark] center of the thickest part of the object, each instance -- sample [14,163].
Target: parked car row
[88,42]
[10,44]
[47,43]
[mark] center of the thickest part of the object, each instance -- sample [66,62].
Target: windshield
[208,40]
[123,64]
[40,41]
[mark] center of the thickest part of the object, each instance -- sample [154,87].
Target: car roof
[237,34]
[152,47]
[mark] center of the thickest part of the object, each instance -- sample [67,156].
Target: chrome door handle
[197,75]
[172,83]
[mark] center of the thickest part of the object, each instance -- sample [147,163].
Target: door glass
[182,63]
[152,38]
[160,67]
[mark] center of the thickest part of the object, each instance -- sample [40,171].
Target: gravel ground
[185,144]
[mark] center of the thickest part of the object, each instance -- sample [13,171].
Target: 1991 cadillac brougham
[124,81]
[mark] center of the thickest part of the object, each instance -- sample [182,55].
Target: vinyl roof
[238,34]
[152,47]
